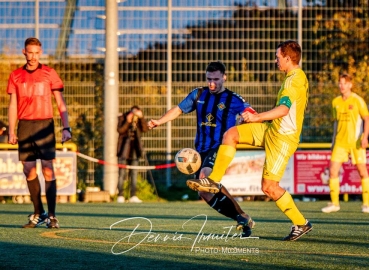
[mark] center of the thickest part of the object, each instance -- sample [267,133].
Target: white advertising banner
[13,181]
[243,176]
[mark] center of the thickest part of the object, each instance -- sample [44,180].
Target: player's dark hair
[32,41]
[292,49]
[346,77]
[135,107]
[215,66]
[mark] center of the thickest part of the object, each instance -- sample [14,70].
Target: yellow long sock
[289,208]
[365,189]
[334,186]
[224,157]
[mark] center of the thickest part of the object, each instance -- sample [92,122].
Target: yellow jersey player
[350,137]
[277,131]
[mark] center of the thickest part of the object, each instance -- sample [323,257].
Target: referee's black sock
[34,188]
[225,204]
[50,187]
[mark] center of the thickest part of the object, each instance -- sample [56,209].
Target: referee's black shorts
[36,140]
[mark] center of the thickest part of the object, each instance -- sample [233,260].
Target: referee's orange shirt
[34,91]
[349,114]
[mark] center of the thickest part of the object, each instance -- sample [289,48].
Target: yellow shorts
[341,154]
[277,152]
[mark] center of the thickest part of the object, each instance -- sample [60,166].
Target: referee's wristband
[69,129]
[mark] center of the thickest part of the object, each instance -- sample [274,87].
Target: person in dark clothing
[217,109]
[3,132]
[130,126]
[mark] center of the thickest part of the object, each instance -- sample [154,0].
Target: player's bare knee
[363,172]
[29,170]
[48,174]
[265,191]
[30,173]
[231,136]
[334,169]
[268,187]
[205,172]
[47,169]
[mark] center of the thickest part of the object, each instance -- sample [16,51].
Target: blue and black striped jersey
[216,113]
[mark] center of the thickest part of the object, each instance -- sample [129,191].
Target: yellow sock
[289,208]
[334,186]
[365,189]
[224,157]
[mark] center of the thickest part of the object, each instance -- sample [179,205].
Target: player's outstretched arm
[168,116]
[275,113]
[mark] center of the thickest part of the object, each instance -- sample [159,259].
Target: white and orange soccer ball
[188,161]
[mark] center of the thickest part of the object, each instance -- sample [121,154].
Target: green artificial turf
[182,235]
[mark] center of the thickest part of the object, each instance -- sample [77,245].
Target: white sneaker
[135,199]
[331,208]
[365,208]
[120,199]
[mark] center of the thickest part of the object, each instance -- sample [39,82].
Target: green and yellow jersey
[293,94]
[349,115]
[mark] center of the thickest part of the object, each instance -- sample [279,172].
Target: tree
[341,40]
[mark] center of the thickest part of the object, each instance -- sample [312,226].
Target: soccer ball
[188,161]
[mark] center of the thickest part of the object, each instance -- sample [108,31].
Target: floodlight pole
[37,19]
[169,92]
[299,26]
[111,83]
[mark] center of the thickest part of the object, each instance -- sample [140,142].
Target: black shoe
[246,225]
[52,223]
[298,230]
[35,220]
[204,184]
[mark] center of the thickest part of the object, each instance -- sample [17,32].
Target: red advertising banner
[311,173]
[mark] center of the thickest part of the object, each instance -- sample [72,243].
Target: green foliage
[236,40]
[341,40]
[84,83]
[98,132]
[83,136]
[7,64]
[145,191]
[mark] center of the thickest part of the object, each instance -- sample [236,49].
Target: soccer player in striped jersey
[350,137]
[217,109]
[277,131]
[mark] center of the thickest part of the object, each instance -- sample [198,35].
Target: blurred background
[164,47]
